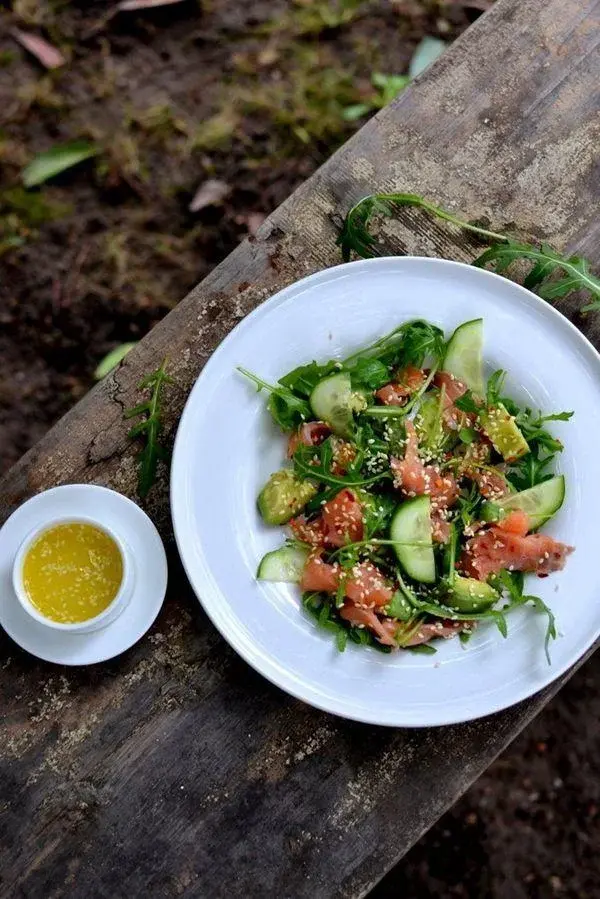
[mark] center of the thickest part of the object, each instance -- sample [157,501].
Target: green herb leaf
[370,373]
[56,160]
[355,235]
[425,649]
[112,359]
[494,387]
[567,273]
[314,462]
[553,276]
[150,427]
[287,409]
[466,403]
[426,53]
[467,435]
[303,380]
[512,582]
[341,639]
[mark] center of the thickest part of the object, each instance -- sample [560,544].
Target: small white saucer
[122,516]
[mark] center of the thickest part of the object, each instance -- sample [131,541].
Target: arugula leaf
[551,275]
[422,649]
[532,469]
[370,373]
[408,344]
[150,427]
[465,508]
[314,462]
[303,380]
[529,471]
[467,435]
[512,582]
[494,386]
[466,403]
[355,235]
[377,513]
[287,409]
[341,639]
[567,273]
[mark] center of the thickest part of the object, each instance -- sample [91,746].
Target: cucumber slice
[504,432]
[470,595]
[411,524]
[464,355]
[540,502]
[333,401]
[284,565]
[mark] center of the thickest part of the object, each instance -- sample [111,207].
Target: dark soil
[250,93]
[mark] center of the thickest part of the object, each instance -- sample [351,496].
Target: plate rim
[279,677]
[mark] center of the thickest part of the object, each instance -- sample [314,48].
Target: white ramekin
[112,611]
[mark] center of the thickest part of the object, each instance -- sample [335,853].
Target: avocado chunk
[429,424]
[467,594]
[504,433]
[400,607]
[283,496]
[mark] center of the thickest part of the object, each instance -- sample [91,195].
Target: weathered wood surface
[175,770]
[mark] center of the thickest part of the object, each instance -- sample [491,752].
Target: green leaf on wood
[112,359]
[150,428]
[551,275]
[56,160]
[426,53]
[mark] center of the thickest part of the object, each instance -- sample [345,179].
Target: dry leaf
[44,52]
[210,193]
[269,56]
[253,222]
[131,5]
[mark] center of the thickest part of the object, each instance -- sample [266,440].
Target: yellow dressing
[72,572]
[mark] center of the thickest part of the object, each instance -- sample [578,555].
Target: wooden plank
[176,770]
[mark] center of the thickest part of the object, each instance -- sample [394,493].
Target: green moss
[22,212]
[33,12]
[216,131]
[158,121]
[33,208]
[40,94]
[312,18]
[6,58]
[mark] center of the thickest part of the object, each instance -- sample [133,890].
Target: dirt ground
[250,97]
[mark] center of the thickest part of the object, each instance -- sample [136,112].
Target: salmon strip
[311,433]
[343,519]
[397,392]
[364,586]
[384,629]
[453,389]
[490,551]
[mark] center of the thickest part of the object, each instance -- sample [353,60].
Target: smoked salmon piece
[311,433]
[397,392]
[500,547]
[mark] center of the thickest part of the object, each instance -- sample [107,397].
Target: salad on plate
[415,492]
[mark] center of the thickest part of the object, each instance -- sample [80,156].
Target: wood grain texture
[175,770]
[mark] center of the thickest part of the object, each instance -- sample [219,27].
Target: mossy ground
[249,93]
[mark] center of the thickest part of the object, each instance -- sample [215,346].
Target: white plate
[227,446]
[150,569]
